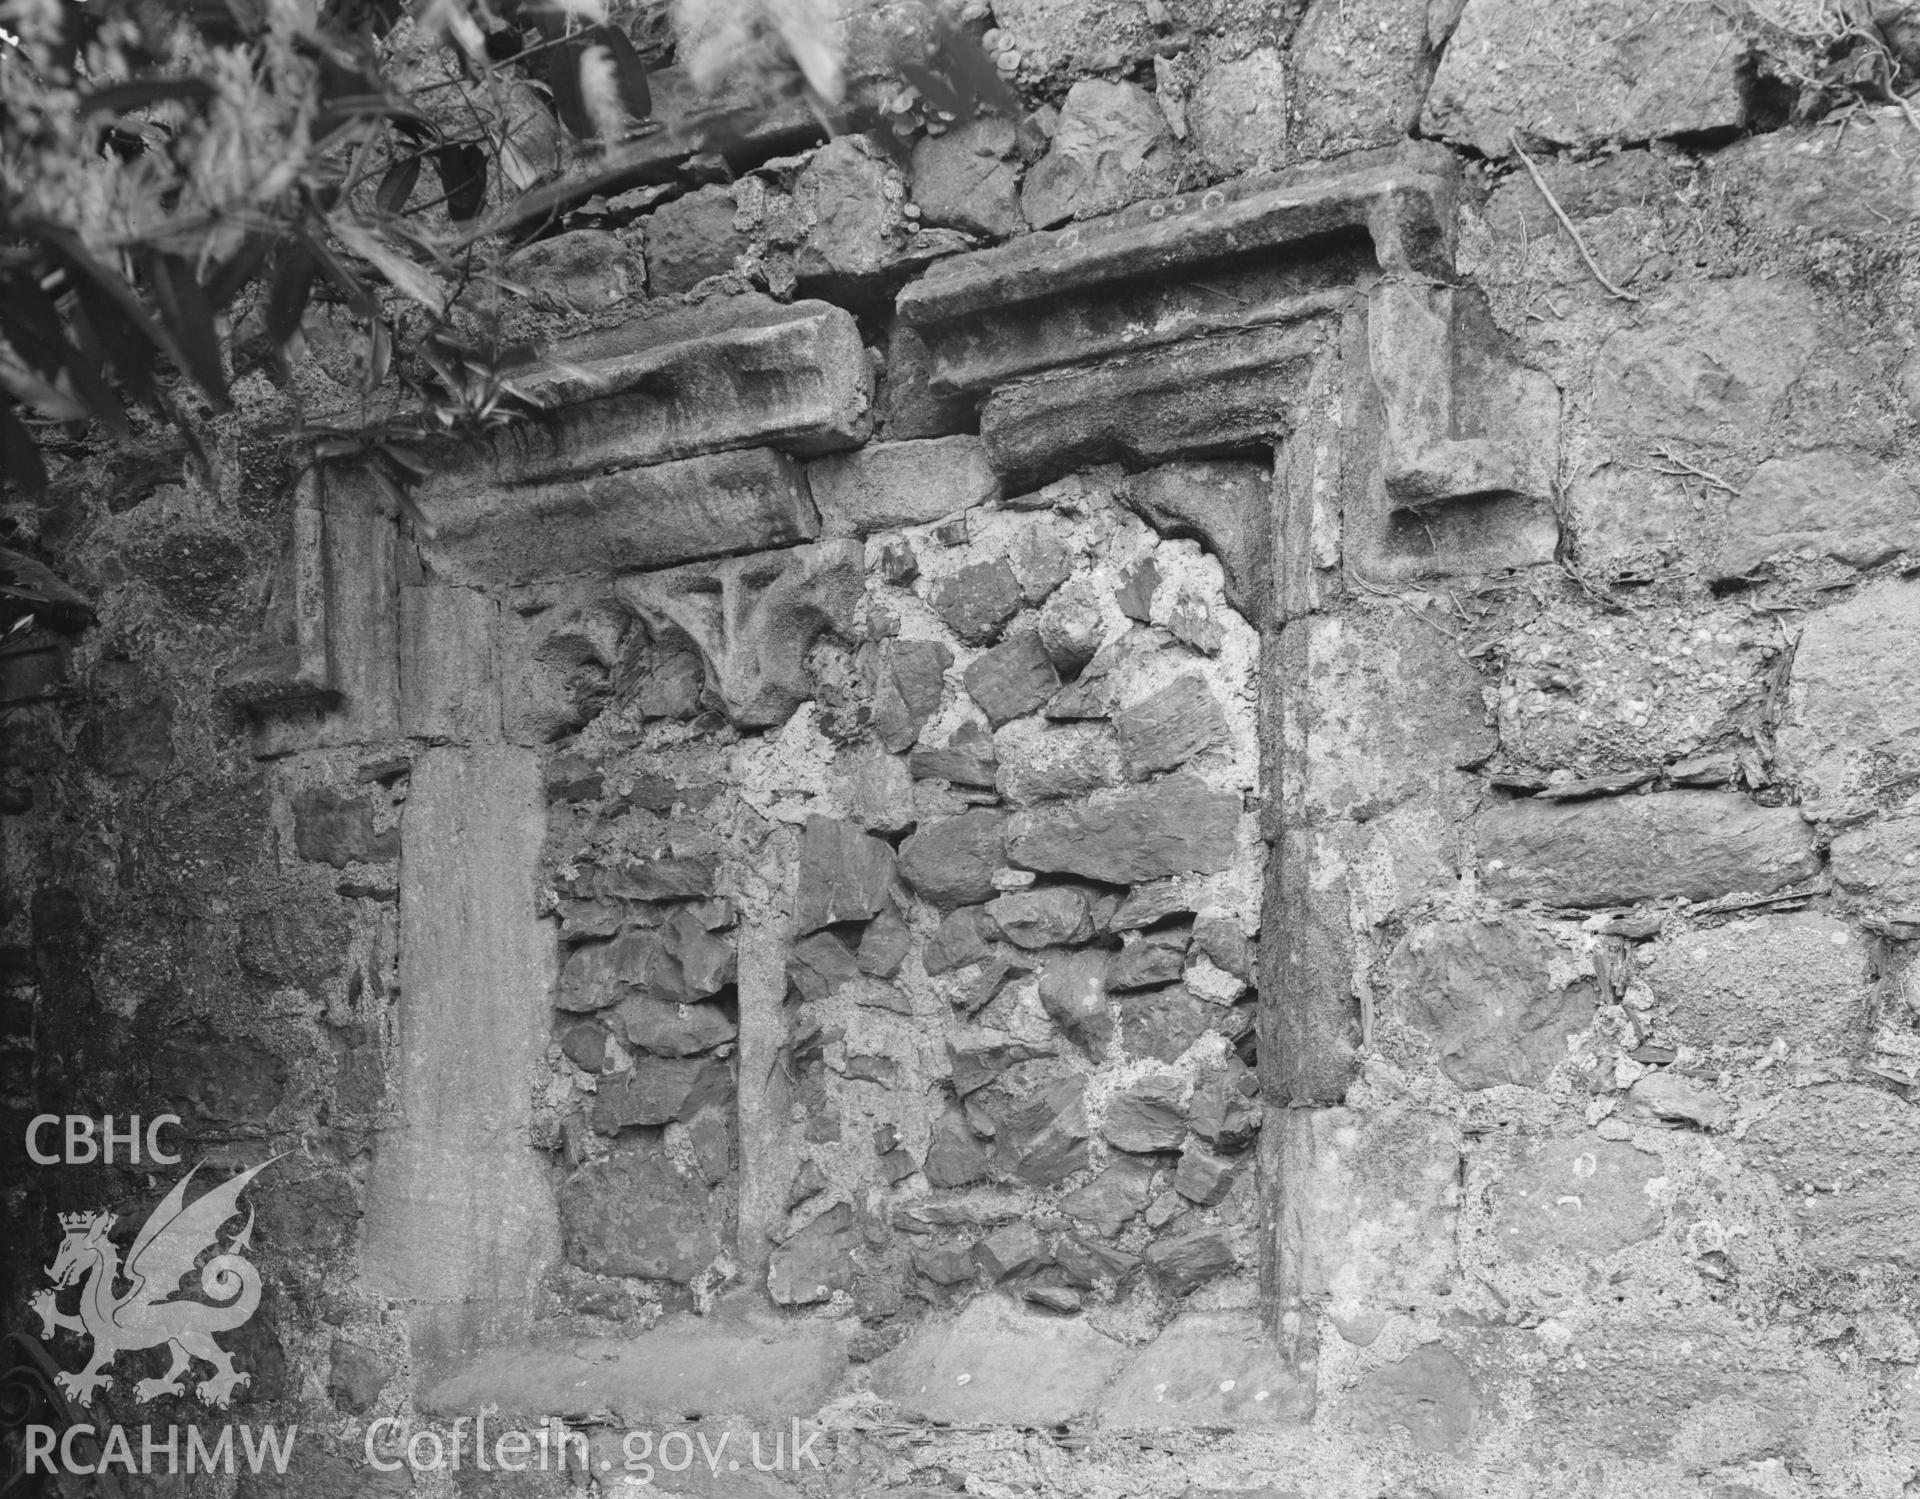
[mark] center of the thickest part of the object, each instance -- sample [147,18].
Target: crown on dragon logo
[69,1222]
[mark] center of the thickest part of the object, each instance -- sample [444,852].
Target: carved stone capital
[753,620]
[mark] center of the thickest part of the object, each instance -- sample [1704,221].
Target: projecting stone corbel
[753,620]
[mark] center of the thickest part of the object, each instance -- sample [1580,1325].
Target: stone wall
[1174,803]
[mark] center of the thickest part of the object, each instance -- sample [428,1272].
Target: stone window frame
[1319,314]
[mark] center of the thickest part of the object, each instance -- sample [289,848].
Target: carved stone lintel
[753,620]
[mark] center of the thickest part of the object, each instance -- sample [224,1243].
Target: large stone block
[1238,113]
[1853,714]
[1229,506]
[1831,502]
[635,1214]
[753,620]
[1175,826]
[1482,993]
[1859,1148]
[1215,1369]
[735,373]
[997,1364]
[1877,863]
[1712,358]
[690,239]
[1236,390]
[887,485]
[1862,185]
[1699,845]
[969,179]
[1429,1395]
[844,875]
[1579,1196]
[1360,75]
[1368,1206]
[1111,146]
[748,1366]
[1801,977]
[1585,72]
[1388,708]
[449,665]
[715,505]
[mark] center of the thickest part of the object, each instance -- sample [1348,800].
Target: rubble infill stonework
[1207,793]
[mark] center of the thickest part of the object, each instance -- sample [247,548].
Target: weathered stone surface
[820,964]
[1228,505]
[744,372]
[1012,679]
[1151,903]
[846,196]
[1876,862]
[963,936]
[1146,962]
[633,1214]
[1165,730]
[666,877]
[955,1157]
[1360,77]
[1481,992]
[1225,1111]
[1674,1099]
[1043,1139]
[584,1043]
[1176,826]
[976,602]
[1073,991]
[1389,707]
[912,679]
[1587,72]
[1861,1147]
[1697,844]
[690,239]
[967,760]
[1087,1262]
[582,270]
[1114,1197]
[844,875]
[946,1267]
[1111,147]
[1204,1178]
[969,179]
[1021,1368]
[1163,1023]
[1798,182]
[712,505]
[1053,763]
[884,945]
[815,1262]
[355,1375]
[1179,400]
[753,620]
[1580,1197]
[749,1366]
[1429,1395]
[1801,976]
[671,1030]
[1853,719]
[1832,502]
[1668,374]
[659,1089]
[692,963]
[887,485]
[1190,1259]
[977,1059]
[329,828]
[1146,1116]
[951,863]
[1211,1369]
[1049,917]
[1010,1249]
[1596,694]
[1238,113]
[603,974]
[1372,1200]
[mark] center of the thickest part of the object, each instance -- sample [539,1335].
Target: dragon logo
[147,1314]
